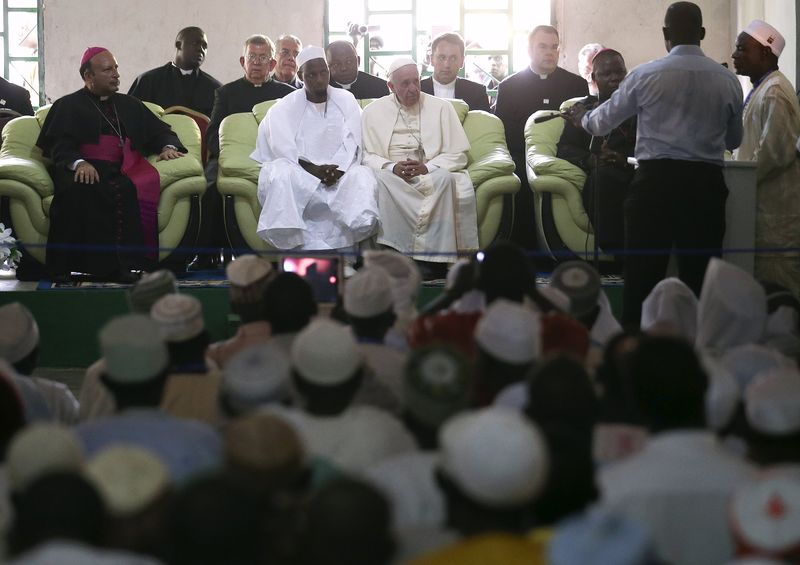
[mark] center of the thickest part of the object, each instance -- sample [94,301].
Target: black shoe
[432,271]
[125,277]
[204,263]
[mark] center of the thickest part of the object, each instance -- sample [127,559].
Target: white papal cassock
[298,210]
[434,216]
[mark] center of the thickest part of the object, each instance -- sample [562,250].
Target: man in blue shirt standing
[689,111]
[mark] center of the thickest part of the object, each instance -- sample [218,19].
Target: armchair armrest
[28,172]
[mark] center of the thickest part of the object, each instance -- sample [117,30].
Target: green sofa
[490,167]
[563,225]
[27,184]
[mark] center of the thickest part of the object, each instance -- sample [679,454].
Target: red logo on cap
[770,39]
[775,507]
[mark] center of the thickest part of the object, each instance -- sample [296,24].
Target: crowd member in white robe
[314,193]
[771,126]
[418,149]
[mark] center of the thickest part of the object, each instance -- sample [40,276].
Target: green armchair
[27,184]
[563,225]
[490,167]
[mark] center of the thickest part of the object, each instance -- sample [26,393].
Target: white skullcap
[732,309]
[309,53]
[765,514]
[133,349]
[399,63]
[149,289]
[673,303]
[325,353]
[580,282]
[39,449]
[19,333]
[179,317]
[746,361]
[722,395]
[128,478]
[766,35]
[509,331]
[404,275]
[495,456]
[557,297]
[249,276]
[368,293]
[772,402]
[256,375]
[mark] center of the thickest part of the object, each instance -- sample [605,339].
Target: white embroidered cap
[309,53]
[39,449]
[133,349]
[19,333]
[766,35]
[510,332]
[772,402]
[368,293]
[325,353]
[179,317]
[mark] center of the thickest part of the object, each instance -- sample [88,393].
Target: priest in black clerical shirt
[541,86]
[343,62]
[180,82]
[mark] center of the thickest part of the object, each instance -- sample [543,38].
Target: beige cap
[765,515]
[256,375]
[19,333]
[249,275]
[772,402]
[129,478]
[133,349]
[39,449]
[509,331]
[325,353]
[368,293]
[179,317]
[495,455]
[150,288]
[403,272]
[766,35]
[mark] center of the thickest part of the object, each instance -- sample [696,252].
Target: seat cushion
[542,143]
[237,140]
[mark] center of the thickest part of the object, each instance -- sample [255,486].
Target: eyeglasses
[253,58]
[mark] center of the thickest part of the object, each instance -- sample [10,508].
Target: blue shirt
[689,108]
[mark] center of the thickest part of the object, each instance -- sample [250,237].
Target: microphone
[541,119]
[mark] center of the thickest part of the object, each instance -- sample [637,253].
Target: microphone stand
[595,145]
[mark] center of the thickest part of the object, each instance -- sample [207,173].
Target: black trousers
[671,203]
[212,223]
[604,194]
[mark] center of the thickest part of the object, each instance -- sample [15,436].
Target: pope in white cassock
[314,193]
[418,149]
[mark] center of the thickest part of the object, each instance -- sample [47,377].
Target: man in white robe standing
[315,194]
[418,149]
[771,127]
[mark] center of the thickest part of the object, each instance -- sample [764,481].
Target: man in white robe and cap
[418,149]
[771,126]
[314,193]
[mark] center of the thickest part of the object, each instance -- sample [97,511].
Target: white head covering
[765,514]
[39,449]
[399,63]
[129,478]
[732,309]
[766,35]
[19,332]
[309,53]
[256,375]
[325,353]
[673,303]
[150,288]
[404,275]
[368,293]
[510,332]
[133,349]
[495,456]
[723,393]
[179,317]
[248,275]
[772,402]
[746,361]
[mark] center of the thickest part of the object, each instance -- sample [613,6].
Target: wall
[141,33]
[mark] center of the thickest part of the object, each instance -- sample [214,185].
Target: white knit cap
[772,402]
[128,478]
[309,53]
[766,35]
[256,375]
[133,349]
[765,514]
[179,317]
[404,275]
[722,395]
[399,63]
[495,456]
[368,293]
[325,353]
[746,361]
[673,303]
[19,333]
[510,332]
[39,449]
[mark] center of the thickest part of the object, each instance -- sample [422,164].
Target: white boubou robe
[433,217]
[771,128]
[298,210]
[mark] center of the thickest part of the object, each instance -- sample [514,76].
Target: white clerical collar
[451,85]
[183,72]
[347,86]
[542,76]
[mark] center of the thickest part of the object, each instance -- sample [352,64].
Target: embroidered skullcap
[509,331]
[325,353]
[403,272]
[765,515]
[309,53]
[133,349]
[580,282]
[179,317]
[368,293]
[437,384]
[39,449]
[772,402]
[766,35]
[129,478]
[249,276]
[19,332]
[495,456]
[150,288]
[91,52]
[255,376]
[399,63]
